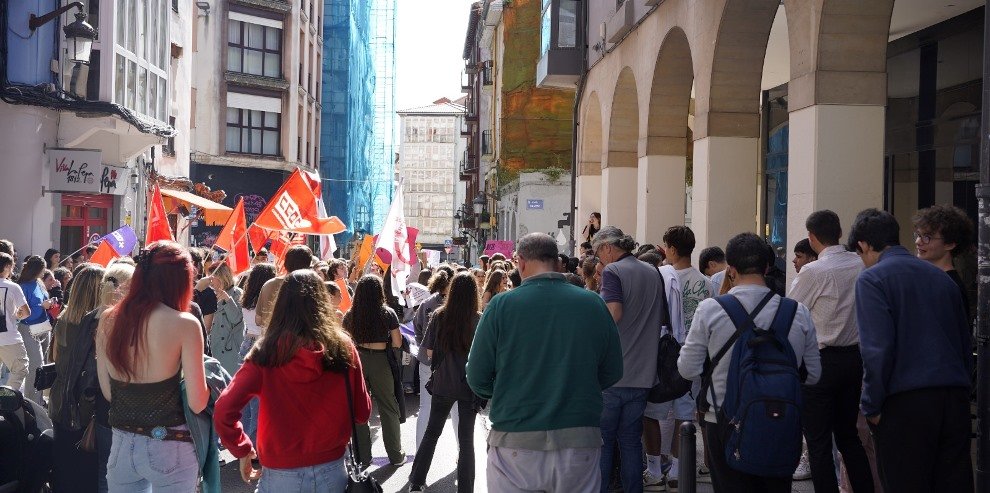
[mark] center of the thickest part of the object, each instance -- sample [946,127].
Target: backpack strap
[784,320]
[743,321]
[665,316]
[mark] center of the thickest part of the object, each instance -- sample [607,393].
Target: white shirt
[13,299]
[672,285]
[713,328]
[695,287]
[827,286]
[251,328]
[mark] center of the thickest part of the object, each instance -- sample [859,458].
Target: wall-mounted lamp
[205,7]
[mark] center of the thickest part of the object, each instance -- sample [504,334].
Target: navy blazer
[913,329]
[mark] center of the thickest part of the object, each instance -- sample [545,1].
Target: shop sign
[76,170]
[504,247]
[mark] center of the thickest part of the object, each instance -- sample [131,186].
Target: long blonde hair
[118,273]
[84,295]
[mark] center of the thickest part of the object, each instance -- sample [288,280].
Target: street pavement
[443,472]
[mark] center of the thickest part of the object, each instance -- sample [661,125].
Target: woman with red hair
[146,343]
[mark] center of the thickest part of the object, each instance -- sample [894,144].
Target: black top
[381,332]
[954,274]
[449,368]
[207,301]
[147,405]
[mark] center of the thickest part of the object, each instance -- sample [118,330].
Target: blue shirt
[35,294]
[912,329]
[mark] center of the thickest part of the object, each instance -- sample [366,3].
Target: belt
[362,348]
[840,349]
[159,433]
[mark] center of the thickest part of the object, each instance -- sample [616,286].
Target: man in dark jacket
[916,351]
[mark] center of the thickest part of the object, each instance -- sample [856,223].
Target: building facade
[257,98]
[513,125]
[772,110]
[430,147]
[358,133]
[83,138]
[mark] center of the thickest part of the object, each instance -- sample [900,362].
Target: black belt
[840,349]
[158,433]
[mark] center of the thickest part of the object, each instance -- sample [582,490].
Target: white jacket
[672,284]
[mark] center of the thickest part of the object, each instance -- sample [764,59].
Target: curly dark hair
[950,222]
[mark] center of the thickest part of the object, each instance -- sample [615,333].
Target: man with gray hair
[634,294]
[543,353]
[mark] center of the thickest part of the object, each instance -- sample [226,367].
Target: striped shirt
[827,286]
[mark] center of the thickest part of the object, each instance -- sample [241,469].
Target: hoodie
[303,418]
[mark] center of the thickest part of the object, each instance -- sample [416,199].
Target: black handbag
[44,377]
[670,385]
[358,481]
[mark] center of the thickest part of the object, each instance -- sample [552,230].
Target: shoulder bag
[358,481]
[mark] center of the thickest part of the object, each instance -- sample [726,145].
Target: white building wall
[430,172]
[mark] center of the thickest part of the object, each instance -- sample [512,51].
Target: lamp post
[79,37]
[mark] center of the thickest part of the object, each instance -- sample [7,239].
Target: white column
[835,161]
[659,196]
[589,199]
[725,189]
[619,199]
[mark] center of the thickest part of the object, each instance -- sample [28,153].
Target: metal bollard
[687,482]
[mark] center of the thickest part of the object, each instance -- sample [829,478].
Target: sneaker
[704,475]
[416,488]
[654,483]
[400,461]
[803,471]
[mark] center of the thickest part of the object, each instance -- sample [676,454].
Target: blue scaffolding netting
[358,134]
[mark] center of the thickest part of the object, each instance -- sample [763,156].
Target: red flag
[104,254]
[233,239]
[158,228]
[258,237]
[411,234]
[294,208]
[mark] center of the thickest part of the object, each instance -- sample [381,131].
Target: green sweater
[543,353]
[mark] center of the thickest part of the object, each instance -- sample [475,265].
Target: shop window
[253,132]
[254,49]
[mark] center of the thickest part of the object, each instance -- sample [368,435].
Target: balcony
[620,22]
[469,167]
[471,113]
[486,142]
[560,63]
[467,128]
[487,73]
[467,82]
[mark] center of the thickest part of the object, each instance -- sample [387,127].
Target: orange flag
[345,297]
[233,238]
[295,208]
[364,254]
[103,254]
[158,228]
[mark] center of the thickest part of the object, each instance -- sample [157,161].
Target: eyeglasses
[926,239]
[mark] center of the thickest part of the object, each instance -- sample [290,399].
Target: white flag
[327,244]
[394,239]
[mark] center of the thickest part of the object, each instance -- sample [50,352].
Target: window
[254,49]
[141,56]
[169,148]
[253,131]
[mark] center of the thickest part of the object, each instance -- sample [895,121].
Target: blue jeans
[322,478]
[249,415]
[142,464]
[622,420]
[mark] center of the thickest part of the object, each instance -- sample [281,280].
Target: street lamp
[79,37]
[479,203]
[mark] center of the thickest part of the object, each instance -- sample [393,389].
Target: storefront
[91,194]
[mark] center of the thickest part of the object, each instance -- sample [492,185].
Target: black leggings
[439,411]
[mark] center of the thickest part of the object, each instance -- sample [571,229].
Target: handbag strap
[350,409]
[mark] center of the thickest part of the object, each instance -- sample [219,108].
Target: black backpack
[671,384]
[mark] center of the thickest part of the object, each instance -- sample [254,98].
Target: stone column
[724,196]
[835,161]
[660,196]
[619,199]
[589,199]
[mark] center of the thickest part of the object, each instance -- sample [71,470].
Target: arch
[670,97]
[590,157]
[623,133]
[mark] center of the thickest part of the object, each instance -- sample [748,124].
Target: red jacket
[303,418]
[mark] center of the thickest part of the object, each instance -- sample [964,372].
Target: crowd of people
[860,367]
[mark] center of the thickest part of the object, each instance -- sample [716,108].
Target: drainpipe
[577,111]
[983,259]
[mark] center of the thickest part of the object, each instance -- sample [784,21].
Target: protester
[446,344]
[557,349]
[632,292]
[146,343]
[375,329]
[712,263]
[438,287]
[479,277]
[831,406]
[942,233]
[515,278]
[917,355]
[37,323]
[712,329]
[227,332]
[13,354]
[304,358]
[803,254]
[74,391]
[651,257]
[592,228]
[483,262]
[588,273]
[496,283]
[296,257]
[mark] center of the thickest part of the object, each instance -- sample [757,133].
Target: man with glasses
[942,233]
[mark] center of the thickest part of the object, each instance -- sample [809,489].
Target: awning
[215,214]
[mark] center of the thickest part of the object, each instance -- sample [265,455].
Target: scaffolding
[358,116]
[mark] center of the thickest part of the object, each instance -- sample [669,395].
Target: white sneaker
[654,483]
[704,475]
[803,471]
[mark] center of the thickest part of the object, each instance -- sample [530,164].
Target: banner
[77,170]
[505,247]
[394,238]
[122,240]
[234,239]
[158,227]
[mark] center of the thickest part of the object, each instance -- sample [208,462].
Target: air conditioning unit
[621,21]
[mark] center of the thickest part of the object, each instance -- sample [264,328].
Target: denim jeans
[622,420]
[249,415]
[330,477]
[465,443]
[142,464]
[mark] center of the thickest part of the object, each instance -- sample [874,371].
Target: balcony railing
[486,142]
[487,73]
